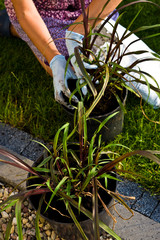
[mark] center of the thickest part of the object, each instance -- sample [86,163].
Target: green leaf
[47,159]
[101,93]
[55,142]
[144,28]
[38,169]
[79,203]
[43,146]
[38,237]
[84,72]
[9,226]
[91,174]
[95,210]
[9,203]
[76,222]
[120,103]
[55,190]
[90,152]
[146,153]
[65,135]
[19,220]
[105,121]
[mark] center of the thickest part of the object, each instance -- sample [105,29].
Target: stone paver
[139,227]
[129,188]
[144,202]
[20,142]
[156,213]
[13,175]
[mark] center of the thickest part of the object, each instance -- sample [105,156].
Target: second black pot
[64,226]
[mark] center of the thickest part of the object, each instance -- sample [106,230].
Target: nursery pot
[113,126]
[64,226]
[111,129]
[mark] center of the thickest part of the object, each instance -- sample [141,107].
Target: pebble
[24,221]
[28,220]
[25,209]
[8,210]
[48,233]
[42,220]
[4,227]
[4,214]
[53,235]
[12,229]
[25,203]
[40,225]
[47,227]
[5,194]
[14,222]
[31,232]
[29,225]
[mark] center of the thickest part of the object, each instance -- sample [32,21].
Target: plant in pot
[75,182]
[117,56]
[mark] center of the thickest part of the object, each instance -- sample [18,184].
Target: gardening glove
[152,68]
[61,90]
[73,40]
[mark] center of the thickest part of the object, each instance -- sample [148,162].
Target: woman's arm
[95,8]
[34,26]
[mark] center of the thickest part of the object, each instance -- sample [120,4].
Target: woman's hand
[74,40]
[61,91]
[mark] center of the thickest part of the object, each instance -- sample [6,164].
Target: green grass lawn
[27,101]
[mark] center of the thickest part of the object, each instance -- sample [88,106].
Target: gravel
[28,218]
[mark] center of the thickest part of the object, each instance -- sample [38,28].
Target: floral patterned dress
[57,15]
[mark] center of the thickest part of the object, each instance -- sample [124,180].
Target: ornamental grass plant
[76,176]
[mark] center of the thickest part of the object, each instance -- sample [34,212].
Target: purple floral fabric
[57,15]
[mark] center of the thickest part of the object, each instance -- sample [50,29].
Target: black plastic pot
[111,129]
[64,226]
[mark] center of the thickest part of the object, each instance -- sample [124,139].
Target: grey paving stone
[156,213]
[139,227]
[6,133]
[129,188]
[34,150]
[20,142]
[146,204]
[10,174]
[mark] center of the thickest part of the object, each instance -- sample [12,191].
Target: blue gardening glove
[61,91]
[73,40]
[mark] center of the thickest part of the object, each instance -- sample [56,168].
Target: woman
[43,24]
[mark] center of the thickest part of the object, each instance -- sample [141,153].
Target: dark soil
[108,102]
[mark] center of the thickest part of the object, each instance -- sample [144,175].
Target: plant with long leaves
[73,173]
[110,75]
